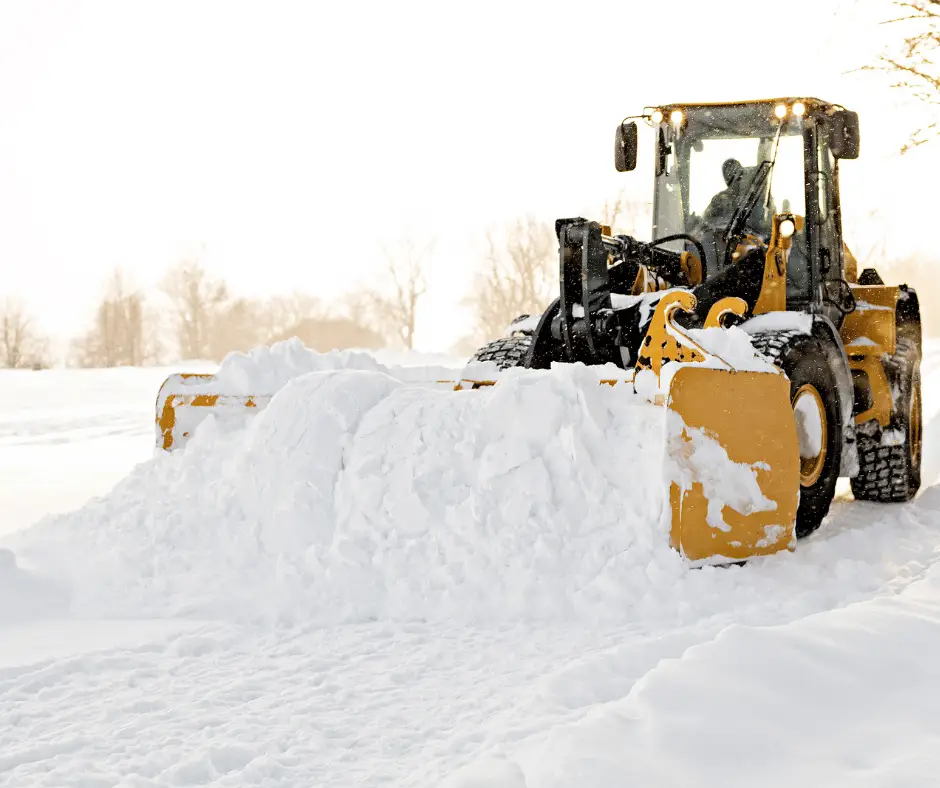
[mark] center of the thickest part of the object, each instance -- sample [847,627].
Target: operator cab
[713,160]
[722,171]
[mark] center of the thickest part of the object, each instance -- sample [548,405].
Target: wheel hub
[812,432]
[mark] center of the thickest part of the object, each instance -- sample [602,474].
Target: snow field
[444,613]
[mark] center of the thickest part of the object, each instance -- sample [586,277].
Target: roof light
[799,108]
[657,116]
[676,117]
[780,111]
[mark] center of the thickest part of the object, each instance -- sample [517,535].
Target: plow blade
[185,400]
[749,415]
[730,461]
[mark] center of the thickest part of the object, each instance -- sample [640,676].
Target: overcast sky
[285,141]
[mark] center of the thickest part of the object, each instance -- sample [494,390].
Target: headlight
[780,111]
[787,228]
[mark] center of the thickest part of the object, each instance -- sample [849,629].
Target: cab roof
[809,101]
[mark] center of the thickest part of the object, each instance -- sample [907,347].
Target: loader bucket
[749,415]
[731,474]
[186,399]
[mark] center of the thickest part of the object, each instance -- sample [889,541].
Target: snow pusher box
[744,318]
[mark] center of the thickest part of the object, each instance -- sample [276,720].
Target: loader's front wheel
[506,352]
[814,394]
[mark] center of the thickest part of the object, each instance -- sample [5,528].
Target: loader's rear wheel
[814,394]
[891,474]
[506,352]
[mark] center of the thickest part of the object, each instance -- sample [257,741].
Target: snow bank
[268,368]
[844,697]
[355,496]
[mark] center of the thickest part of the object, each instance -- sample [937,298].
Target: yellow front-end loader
[747,237]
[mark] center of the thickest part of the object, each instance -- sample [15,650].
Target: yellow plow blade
[731,473]
[183,402]
[750,416]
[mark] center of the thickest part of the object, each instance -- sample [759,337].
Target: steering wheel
[692,240]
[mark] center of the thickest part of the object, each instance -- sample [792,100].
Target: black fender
[543,350]
[907,319]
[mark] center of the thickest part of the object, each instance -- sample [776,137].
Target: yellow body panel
[870,330]
[868,333]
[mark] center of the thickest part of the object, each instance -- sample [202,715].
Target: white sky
[286,140]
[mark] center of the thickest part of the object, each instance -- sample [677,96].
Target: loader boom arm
[582,324]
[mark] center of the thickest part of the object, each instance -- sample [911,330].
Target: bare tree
[624,214]
[519,276]
[121,334]
[281,313]
[21,345]
[238,325]
[338,332]
[393,307]
[913,62]
[197,300]
[866,235]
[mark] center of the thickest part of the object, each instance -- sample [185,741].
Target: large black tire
[505,352]
[891,474]
[804,360]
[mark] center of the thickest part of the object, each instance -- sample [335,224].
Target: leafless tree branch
[913,60]
[21,344]
[393,307]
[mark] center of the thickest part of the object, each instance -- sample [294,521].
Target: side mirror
[625,147]
[844,137]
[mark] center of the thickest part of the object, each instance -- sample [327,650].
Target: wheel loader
[746,236]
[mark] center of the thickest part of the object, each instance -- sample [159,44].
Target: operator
[741,273]
[721,207]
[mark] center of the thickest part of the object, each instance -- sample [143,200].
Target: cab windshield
[706,165]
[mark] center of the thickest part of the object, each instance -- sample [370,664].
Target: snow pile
[268,368]
[731,346]
[355,496]
[779,321]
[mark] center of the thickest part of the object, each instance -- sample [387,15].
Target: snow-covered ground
[411,608]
